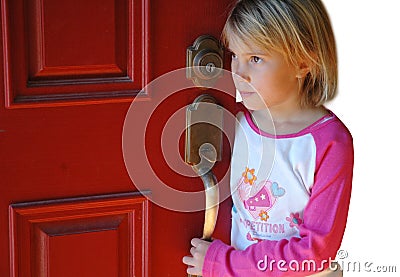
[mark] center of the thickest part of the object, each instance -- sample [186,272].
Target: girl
[289,215]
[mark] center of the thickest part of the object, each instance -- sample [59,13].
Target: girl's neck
[287,121]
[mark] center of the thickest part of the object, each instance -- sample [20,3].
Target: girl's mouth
[245,94]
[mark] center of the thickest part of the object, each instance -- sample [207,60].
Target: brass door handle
[204,64]
[212,201]
[204,120]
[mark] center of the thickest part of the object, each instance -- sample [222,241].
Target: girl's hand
[198,252]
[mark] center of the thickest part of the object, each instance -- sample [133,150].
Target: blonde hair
[298,29]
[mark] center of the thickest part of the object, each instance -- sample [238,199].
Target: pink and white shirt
[291,195]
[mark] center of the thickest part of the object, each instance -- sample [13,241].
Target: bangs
[251,29]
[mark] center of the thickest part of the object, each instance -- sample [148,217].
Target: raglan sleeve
[324,221]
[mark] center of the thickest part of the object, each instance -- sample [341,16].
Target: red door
[69,72]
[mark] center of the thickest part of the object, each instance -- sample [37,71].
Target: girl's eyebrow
[255,54]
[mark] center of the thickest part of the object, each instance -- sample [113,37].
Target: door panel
[90,236]
[55,144]
[74,52]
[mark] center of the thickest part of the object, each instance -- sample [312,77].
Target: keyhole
[210,67]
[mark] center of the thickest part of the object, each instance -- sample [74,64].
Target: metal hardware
[203,126]
[204,120]
[204,61]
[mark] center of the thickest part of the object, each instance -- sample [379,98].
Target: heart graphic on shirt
[276,190]
[259,198]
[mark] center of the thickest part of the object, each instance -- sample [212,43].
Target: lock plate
[204,119]
[204,61]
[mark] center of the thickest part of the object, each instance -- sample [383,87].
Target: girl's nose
[240,73]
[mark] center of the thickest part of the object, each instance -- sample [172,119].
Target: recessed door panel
[73,52]
[99,236]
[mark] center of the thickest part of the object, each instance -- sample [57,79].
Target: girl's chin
[254,106]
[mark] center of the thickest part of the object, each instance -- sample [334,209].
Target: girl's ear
[302,70]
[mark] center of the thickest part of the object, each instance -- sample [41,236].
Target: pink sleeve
[323,224]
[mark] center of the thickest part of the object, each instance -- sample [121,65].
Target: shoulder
[331,128]
[332,137]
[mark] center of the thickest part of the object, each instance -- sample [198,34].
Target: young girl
[289,215]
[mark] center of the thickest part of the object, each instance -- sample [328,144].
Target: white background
[367,36]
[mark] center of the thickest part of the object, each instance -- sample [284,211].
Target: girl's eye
[234,56]
[256,59]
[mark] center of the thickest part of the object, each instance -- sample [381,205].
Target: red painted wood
[88,259]
[81,41]
[64,147]
[74,52]
[104,236]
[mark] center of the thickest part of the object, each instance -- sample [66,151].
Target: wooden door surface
[69,72]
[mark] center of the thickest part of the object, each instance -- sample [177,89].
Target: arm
[323,224]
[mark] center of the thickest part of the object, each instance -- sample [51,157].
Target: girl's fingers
[195,264]
[193,271]
[192,251]
[188,260]
[195,242]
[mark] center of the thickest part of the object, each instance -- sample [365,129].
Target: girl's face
[263,79]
